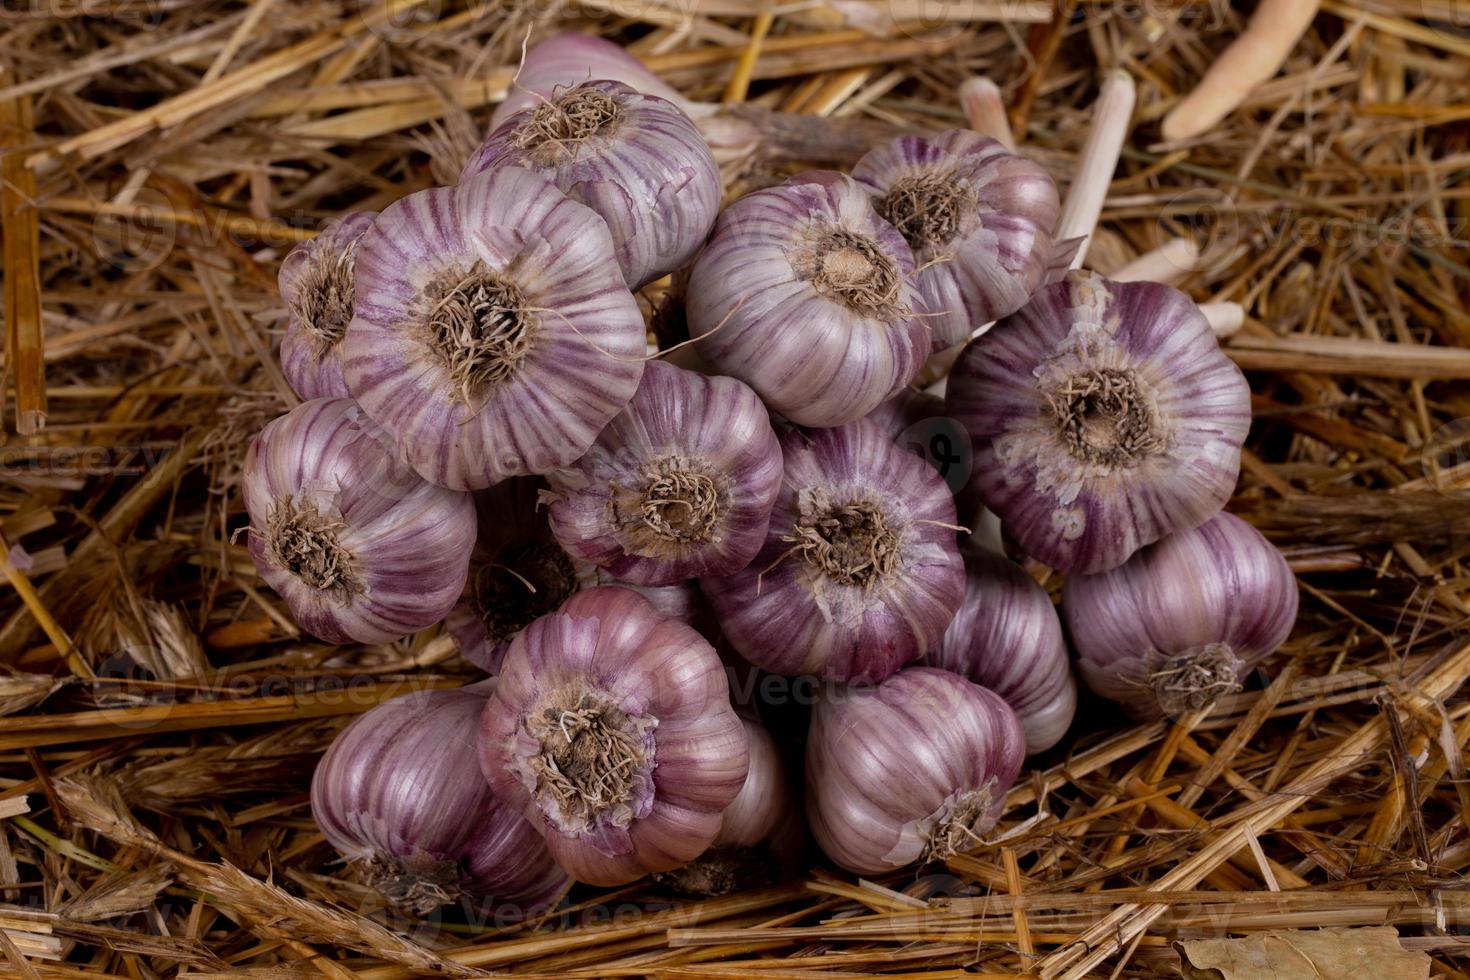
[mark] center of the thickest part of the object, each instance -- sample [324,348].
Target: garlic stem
[1252,58]
[986,111]
[1170,263]
[1226,319]
[1111,114]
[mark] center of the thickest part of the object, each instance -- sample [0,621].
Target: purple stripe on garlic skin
[681,601]
[635,159]
[808,296]
[906,409]
[611,728]
[1184,620]
[1007,637]
[979,220]
[493,335]
[860,573]
[762,835]
[1104,416]
[359,546]
[911,771]
[680,484]
[317,286]
[567,60]
[399,794]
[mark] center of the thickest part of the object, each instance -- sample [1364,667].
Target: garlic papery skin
[317,283]
[399,794]
[978,218]
[680,484]
[1007,637]
[1184,620]
[907,408]
[359,546]
[681,600]
[860,573]
[808,296]
[611,728]
[1104,416]
[635,159]
[913,770]
[762,833]
[564,61]
[493,335]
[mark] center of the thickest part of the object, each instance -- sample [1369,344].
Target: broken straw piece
[985,111]
[1225,318]
[1252,58]
[1169,263]
[1099,158]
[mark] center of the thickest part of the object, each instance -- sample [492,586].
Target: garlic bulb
[859,574]
[493,335]
[808,296]
[359,546]
[564,61]
[635,159]
[761,836]
[1183,621]
[317,285]
[979,220]
[913,770]
[400,795]
[518,573]
[1007,637]
[611,728]
[1104,416]
[680,484]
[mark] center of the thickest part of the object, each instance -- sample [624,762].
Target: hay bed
[163,717]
